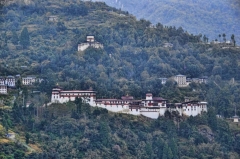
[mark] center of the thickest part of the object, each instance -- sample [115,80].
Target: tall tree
[14,38]
[165,151]
[233,39]
[224,37]
[24,38]
[78,102]
[219,37]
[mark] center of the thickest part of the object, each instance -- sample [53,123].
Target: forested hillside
[131,62]
[198,17]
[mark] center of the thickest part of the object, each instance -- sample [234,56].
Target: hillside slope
[206,17]
[40,37]
[133,59]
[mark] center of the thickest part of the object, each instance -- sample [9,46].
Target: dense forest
[131,62]
[196,16]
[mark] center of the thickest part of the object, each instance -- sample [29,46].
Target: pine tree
[27,136]
[15,38]
[165,152]
[149,151]
[170,154]
[159,143]
[24,38]
[104,133]
[173,145]
[78,102]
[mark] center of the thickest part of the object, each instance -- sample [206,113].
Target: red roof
[158,98]
[127,98]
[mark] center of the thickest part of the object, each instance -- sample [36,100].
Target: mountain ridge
[206,17]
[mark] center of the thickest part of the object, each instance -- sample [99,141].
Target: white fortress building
[60,96]
[181,80]
[3,89]
[90,43]
[9,81]
[151,107]
[29,80]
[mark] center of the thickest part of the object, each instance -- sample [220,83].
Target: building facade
[2,80]
[181,80]
[60,96]
[151,107]
[3,89]
[90,43]
[10,81]
[29,80]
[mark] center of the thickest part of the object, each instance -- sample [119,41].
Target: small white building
[163,80]
[203,79]
[90,43]
[29,80]
[154,104]
[181,80]
[90,39]
[235,119]
[60,96]
[2,80]
[10,81]
[3,89]
[194,108]
[11,136]
[168,45]
[53,18]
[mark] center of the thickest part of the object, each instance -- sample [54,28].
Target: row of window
[78,94]
[189,109]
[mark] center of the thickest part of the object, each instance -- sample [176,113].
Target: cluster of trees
[77,130]
[194,16]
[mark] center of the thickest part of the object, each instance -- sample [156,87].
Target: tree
[149,151]
[15,38]
[224,37]
[173,147]
[220,37]
[24,38]
[165,152]
[104,134]
[170,155]
[212,119]
[233,39]
[78,102]
[27,136]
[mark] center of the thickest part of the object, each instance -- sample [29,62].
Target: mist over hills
[206,17]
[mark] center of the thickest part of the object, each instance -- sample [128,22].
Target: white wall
[150,114]
[83,46]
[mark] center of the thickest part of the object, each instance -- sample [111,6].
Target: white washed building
[10,81]
[181,80]
[29,80]
[151,107]
[193,108]
[90,43]
[60,96]
[3,89]
[2,80]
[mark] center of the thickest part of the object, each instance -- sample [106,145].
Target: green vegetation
[209,17]
[132,61]
[110,135]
